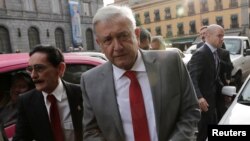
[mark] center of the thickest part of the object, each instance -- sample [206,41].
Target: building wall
[17,21]
[242,10]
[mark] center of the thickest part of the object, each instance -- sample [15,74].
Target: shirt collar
[213,49]
[58,92]
[138,67]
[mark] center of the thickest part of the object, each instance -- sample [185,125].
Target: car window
[233,45]
[73,72]
[244,97]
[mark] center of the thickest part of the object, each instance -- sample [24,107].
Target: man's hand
[203,104]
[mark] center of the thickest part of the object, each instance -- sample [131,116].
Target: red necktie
[55,119]
[139,117]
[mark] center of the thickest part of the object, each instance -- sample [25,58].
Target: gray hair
[108,13]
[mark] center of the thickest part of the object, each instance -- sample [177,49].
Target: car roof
[9,62]
[236,37]
[91,53]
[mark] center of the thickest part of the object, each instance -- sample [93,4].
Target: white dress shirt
[122,84]
[64,111]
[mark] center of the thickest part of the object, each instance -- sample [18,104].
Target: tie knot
[51,98]
[130,74]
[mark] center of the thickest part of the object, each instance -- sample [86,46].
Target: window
[192,27]
[191,10]
[169,31]
[4,40]
[86,9]
[55,6]
[179,11]
[204,6]
[167,13]
[90,40]
[234,21]
[158,30]
[157,15]
[233,4]
[33,35]
[2,4]
[219,21]
[137,19]
[29,5]
[147,18]
[218,5]
[59,37]
[205,22]
[180,29]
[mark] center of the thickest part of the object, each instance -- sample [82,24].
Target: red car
[12,63]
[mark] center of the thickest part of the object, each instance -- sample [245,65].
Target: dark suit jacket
[33,120]
[204,75]
[226,66]
[175,103]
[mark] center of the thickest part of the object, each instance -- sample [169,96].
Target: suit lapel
[153,72]
[40,115]
[76,108]
[109,99]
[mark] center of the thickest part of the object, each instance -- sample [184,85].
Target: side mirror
[229,90]
[247,52]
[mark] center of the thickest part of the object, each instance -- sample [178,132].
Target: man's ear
[137,32]
[61,69]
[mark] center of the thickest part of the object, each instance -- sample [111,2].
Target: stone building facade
[26,23]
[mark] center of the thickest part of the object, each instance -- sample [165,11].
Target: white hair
[108,13]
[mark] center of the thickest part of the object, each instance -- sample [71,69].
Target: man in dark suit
[204,71]
[170,109]
[203,31]
[35,114]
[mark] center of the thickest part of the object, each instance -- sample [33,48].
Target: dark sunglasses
[37,68]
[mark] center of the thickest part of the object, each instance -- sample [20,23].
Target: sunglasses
[37,68]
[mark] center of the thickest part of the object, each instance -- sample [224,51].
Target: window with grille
[180,29]
[4,40]
[34,38]
[158,30]
[191,10]
[59,37]
[234,21]
[146,18]
[157,15]
[167,13]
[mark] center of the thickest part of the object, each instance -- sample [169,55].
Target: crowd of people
[138,95]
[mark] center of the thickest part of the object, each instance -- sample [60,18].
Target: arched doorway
[4,40]
[90,40]
[34,38]
[59,37]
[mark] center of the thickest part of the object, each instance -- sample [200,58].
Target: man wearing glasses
[53,111]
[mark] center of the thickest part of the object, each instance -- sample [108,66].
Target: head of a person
[20,83]
[203,31]
[117,35]
[214,35]
[145,39]
[157,43]
[46,67]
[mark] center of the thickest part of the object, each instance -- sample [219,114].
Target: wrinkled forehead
[105,28]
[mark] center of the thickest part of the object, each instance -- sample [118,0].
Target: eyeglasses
[37,68]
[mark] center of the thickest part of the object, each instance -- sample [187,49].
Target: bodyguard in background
[204,68]
[53,111]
